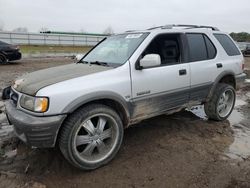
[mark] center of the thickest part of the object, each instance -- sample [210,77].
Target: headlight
[35,104]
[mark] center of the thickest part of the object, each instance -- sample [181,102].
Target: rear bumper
[35,131]
[240,79]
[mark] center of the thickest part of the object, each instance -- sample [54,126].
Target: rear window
[227,44]
[200,47]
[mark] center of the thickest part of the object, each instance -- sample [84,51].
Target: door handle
[182,72]
[219,65]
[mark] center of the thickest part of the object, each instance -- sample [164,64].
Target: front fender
[80,101]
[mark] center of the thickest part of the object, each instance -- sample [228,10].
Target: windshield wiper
[82,61]
[99,63]
[94,63]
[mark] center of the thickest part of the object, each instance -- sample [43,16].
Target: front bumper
[240,79]
[15,55]
[35,131]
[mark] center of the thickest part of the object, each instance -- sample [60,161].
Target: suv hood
[32,82]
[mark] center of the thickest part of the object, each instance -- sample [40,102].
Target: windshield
[115,50]
[3,43]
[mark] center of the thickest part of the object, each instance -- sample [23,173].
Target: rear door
[158,89]
[202,58]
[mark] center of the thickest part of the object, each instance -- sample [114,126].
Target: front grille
[13,97]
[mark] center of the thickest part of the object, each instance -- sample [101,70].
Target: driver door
[156,90]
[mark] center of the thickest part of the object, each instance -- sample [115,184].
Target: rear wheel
[91,137]
[222,102]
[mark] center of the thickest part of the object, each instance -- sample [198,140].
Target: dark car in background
[9,52]
[246,49]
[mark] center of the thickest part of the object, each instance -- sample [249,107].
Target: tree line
[241,37]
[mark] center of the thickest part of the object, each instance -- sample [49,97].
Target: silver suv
[126,78]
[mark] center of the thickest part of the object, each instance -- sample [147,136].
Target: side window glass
[211,50]
[197,46]
[227,44]
[167,46]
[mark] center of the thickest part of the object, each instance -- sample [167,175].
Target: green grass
[53,49]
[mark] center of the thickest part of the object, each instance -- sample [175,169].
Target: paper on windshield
[134,36]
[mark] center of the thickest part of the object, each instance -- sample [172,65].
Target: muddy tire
[3,59]
[221,104]
[91,136]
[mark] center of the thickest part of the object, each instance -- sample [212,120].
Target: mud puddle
[240,124]
[239,121]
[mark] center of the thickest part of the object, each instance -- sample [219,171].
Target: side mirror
[150,60]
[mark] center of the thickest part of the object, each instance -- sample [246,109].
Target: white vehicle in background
[128,77]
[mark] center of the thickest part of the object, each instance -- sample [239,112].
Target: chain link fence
[49,39]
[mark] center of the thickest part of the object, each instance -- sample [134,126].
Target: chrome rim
[95,139]
[226,102]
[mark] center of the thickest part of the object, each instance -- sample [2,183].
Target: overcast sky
[95,16]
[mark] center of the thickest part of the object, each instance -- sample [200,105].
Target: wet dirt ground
[181,150]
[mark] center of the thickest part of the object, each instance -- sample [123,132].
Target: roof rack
[187,27]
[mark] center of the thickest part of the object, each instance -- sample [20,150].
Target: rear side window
[200,47]
[227,44]
[211,51]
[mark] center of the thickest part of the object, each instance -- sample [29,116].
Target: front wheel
[91,136]
[221,105]
[3,59]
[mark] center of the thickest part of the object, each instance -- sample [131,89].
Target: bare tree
[109,31]
[21,30]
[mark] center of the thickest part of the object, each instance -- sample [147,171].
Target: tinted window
[227,44]
[197,46]
[210,48]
